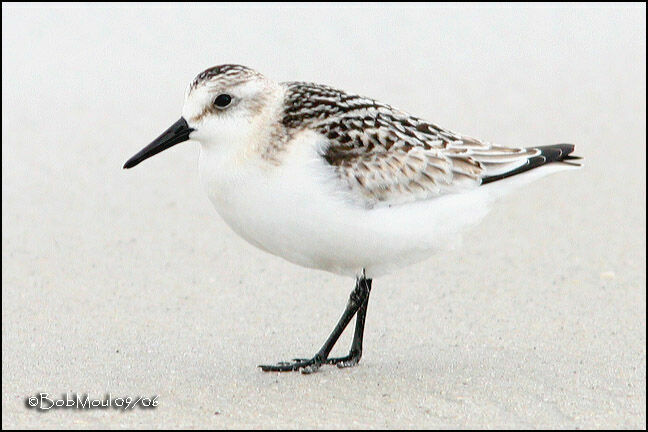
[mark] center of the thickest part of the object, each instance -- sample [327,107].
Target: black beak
[176,134]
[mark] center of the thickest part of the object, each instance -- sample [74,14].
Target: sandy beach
[129,283]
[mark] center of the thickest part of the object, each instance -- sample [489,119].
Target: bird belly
[299,211]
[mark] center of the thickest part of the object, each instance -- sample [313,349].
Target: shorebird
[339,182]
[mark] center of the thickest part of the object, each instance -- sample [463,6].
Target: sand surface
[128,282]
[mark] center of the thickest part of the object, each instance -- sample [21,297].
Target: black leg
[357,302]
[356,346]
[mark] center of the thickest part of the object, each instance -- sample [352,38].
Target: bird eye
[222,100]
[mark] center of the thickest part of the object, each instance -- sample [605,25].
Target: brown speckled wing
[385,156]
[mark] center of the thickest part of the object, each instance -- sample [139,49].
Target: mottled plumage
[228,73]
[386,156]
[382,155]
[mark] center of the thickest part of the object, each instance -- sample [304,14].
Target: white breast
[298,210]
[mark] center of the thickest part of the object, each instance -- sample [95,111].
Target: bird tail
[547,154]
[559,153]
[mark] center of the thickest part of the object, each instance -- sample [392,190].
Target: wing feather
[385,156]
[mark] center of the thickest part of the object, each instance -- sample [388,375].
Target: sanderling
[339,182]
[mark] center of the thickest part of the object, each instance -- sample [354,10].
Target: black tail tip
[566,149]
[558,152]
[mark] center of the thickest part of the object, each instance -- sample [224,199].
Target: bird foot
[308,366]
[305,366]
[347,361]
